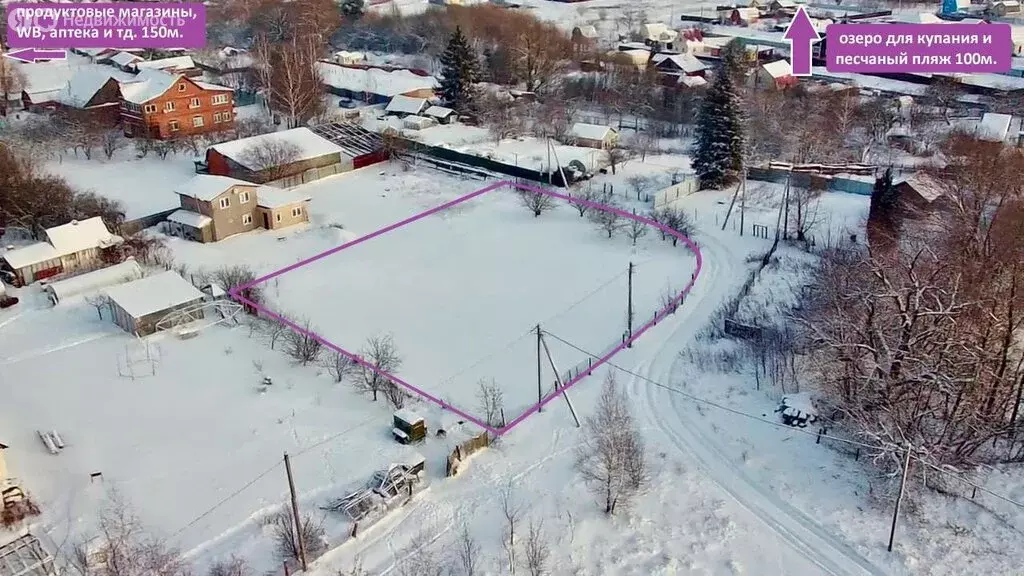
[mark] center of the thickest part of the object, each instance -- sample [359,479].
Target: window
[220,99]
[169,107]
[181,87]
[197,121]
[243,197]
[225,202]
[173,125]
[193,103]
[150,108]
[216,117]
[296,212]
[277,217]
[246,219]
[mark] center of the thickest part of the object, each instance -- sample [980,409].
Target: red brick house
[162,106]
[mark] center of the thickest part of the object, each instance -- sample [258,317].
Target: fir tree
[884,198]
[718,152]
[734,58]
[460,71]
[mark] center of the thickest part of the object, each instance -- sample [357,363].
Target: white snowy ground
[729,496]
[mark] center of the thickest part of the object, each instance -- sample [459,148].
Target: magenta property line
[236,294]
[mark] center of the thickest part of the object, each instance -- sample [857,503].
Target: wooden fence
[462,451]
[129,227]
[669,195]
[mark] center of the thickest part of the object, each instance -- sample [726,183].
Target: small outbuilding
[403,106]
[417,122]
[440,114]
[137,307]
[94,281]
[593,135]
[409,427]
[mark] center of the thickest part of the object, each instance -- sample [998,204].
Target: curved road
[673,415]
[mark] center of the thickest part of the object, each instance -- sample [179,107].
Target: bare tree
[511,510]
[395,394]
[636,229]
[640,185]
[289,74]
[536,202]
[803,211]
[276,330]
[467,553]
[303,345]
[313,535]
[615,156]
[644,142]
[492,402]
[126,547]
[380,351]
[944,93]
[111,141]
[270,157]
[501,117]
[165,148]
[233,566]
[611,458]
[99,302]
[339,365]
[536,551]
[228,278]
[586,195]
[607,220]
[419,559]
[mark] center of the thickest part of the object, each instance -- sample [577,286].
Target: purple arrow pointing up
[35,54]
[801,34]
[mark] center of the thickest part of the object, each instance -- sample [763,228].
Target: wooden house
[91,97]
[300,156]
[593,135]
[216,207]
[75,246]
[777,75]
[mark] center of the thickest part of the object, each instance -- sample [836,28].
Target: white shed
[593,135]
[93,281]
[138,306]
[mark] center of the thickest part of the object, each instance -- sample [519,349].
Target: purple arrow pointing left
[36,54]
[801,34]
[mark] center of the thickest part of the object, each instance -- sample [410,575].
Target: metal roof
[354,139]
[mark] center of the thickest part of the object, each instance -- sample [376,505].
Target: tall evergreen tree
[460,70]
[718,151]
[734,58]
[884,198]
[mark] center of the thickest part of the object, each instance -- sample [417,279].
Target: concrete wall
[282,217]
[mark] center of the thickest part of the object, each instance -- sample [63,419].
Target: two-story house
[216,207]
[162,106]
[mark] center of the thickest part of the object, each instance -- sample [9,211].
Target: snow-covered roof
[75,236]
[919,18]
[925,185]
[125,58]
[408,416]
[308,143]
[406,105]
[29,255]
[79,235]
[119,273]
[778,69]
[82,87]
[190,219]
[153,294]
[149,84]
[692,81]
[270,197]
[688,63]
[351,56]
[175,63]
[747,13]
[44,79]
[591,131]
[374,80]
[1006,3]
[785,3]
[206,187]
[438,112]
[994,127]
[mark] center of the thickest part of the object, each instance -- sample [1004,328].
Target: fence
[463,451]
[861,185]
[675,192]
[129,227]
[488,164]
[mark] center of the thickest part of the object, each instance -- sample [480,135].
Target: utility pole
[899,497]
[558,382]
[629,309]
[295,512]
[785,217]
[743,200]
[540,392]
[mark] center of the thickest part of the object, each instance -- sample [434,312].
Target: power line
[709,402]
[261,475]
[780,425]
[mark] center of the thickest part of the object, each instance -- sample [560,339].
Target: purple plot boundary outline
[236,293]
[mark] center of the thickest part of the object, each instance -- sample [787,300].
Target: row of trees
[916,341]
[32,199]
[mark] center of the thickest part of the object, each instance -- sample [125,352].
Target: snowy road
[676,417]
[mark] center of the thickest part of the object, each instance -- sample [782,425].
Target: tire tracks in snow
[670,414]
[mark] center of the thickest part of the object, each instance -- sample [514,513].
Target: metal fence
[129,227]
